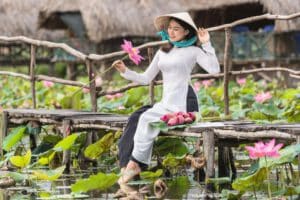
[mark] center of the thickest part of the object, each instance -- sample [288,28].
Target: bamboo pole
[209,154]
[31,72]
[62,81]
[92,83]
[227,61]
[205,76]
[151,85]
[66,127]
[292,73]
[30,41]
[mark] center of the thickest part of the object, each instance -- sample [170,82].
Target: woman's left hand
[203,35]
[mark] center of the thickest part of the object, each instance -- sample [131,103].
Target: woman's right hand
[119,65]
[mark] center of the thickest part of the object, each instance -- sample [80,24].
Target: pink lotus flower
[197,86]
[133,53]
[178,118]
[85,90]
[261,150]
[48,84]
[113,96]
[262,97]
[98,81]
[241,81]
[207,83]
[118,95]
[109,96]
[121,107]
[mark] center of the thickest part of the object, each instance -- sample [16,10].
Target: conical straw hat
[162,21]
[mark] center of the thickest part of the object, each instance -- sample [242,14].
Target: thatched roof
[106,19]
[21,17]
[280,7]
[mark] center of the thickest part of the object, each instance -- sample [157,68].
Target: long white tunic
[176,67]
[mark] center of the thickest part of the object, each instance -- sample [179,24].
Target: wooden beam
[32,74]
[151,86]
[227,68]
[209,153]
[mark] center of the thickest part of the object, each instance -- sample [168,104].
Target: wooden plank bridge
[210,134]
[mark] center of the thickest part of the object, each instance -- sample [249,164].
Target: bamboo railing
[89,59]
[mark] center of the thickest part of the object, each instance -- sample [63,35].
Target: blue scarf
[185,43]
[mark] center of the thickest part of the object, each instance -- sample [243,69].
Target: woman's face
[176,32]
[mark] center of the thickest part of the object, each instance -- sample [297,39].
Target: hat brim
[161,22]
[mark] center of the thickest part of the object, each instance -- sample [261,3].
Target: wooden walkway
[211,134]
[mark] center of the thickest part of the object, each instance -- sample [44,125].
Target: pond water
[179,187]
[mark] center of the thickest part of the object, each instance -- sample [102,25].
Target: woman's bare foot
[131,171]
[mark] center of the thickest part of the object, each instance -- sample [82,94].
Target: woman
[176,62]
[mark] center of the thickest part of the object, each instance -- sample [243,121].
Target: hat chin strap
[184,43]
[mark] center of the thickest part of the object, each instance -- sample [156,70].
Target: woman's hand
[203,35]
[119,65]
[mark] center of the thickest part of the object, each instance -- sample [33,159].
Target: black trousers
[126,141]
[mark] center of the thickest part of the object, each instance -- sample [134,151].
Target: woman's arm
[141,78]
[207,59]
[206,56]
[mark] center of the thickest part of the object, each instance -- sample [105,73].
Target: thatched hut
[106,22]
[20,18]
[109,19]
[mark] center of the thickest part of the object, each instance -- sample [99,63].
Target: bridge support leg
[4,127]
[209,153]
[298,142]
[66,154]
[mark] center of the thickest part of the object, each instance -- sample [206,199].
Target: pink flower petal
[269,146]
[132,52]
[197,86]
[262,97]
[85,90]
[48,84]
[241,81]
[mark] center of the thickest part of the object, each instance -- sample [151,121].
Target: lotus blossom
[85,90]
[133,53]
[98,81]
[262,97]
[113,96]
[48,84]
[207,83]
[177,118]
[197,86]
[264,150]
[121,107]
[241,81]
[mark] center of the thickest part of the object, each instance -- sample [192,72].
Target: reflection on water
[177,188]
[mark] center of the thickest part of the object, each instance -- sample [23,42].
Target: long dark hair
[166,48]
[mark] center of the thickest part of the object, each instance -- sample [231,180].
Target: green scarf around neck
[184,43]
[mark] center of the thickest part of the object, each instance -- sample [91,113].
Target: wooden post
[31,72]
[298,142]
[227,68]
[67,153]
[71,71]
[4,125]
[209,153]
[92,85]
[93,93]
[151,86]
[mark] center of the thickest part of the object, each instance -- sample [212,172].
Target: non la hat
[162,21]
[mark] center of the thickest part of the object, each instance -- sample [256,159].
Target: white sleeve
[145,77]
[207,59]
